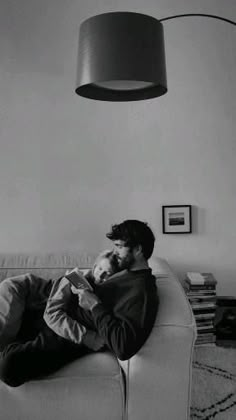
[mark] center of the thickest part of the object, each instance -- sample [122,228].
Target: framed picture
[177,219]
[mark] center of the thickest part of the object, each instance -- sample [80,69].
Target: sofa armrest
[159,375]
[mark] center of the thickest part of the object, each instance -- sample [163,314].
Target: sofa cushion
[89,388]
[47,266]
[100,364]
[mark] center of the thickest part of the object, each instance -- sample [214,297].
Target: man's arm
[125,330]
[122,335]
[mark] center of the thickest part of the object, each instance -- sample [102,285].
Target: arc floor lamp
[121,56]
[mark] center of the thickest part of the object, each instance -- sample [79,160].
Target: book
[202,322]
[203,305]
[78,280]
[202,299]
[198,288]
[201,292]
[206,341]
[205,330]
[205,327]
[201,310]
[205,337]
[206,316]
[196,279]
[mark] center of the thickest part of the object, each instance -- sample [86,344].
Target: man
[124,308]
[118,315]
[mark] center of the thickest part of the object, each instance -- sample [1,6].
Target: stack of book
[201,292]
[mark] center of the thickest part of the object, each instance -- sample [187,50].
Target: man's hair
[134,233]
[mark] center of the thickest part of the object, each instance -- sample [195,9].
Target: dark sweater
[126,314]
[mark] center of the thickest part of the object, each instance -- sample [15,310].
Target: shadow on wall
[198,220]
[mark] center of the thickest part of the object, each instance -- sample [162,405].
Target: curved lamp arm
[199,14]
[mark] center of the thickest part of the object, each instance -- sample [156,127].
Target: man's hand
[68,271]
[86,298]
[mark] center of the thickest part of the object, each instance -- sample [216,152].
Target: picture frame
[177,219]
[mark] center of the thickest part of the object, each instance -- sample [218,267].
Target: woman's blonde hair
[108,255]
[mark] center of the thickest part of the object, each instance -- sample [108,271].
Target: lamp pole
[198,14]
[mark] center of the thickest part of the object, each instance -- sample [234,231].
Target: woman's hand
[86,298]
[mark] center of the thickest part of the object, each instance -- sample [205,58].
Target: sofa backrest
[48,266]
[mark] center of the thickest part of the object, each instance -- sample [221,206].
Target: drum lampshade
[121,57]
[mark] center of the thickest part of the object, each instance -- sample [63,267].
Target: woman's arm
[56,316]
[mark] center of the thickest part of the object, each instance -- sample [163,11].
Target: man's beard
[125,262]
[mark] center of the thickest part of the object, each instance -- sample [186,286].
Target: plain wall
[70,167]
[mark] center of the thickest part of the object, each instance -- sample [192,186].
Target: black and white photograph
[117,215]
[177,219]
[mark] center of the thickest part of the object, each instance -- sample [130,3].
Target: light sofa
[155,384]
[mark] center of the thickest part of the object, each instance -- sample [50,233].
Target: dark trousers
[41,356]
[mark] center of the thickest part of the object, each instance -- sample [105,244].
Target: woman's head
[104,266]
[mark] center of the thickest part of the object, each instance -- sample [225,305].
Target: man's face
[124,255]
